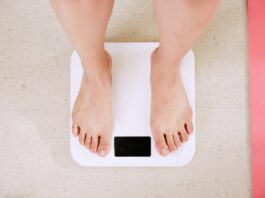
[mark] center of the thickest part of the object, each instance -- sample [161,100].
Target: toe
[189,127]
[161,144]
[104,146]
[88,140]
[183,135]
[75,130]
[170,142]
[177,140]
[94,144]
[82,138]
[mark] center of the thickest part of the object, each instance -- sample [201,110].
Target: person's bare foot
[171,114]
[92,112]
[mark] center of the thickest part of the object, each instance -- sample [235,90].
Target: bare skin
[92,112]
[171,114]
[85,22]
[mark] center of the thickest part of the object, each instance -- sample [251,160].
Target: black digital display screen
[132,146]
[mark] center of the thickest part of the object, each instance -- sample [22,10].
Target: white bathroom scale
[132,141]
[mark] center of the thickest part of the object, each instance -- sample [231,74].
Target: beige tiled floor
[34,109]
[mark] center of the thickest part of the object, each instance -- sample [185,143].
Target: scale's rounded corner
[73,56]
[189,159]
[74,53]
[75,159]
[192,54]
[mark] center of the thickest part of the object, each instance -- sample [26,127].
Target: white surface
[131,105]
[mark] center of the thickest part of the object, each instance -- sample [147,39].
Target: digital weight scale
[132,142]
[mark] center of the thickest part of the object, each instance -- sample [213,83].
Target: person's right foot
[92,112]
[171,113]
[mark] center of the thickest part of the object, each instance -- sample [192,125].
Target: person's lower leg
[85,22]
[180,23]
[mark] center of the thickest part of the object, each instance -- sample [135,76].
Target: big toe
[75,130]
[104,146]
[161,144]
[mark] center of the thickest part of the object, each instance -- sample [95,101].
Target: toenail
[164,151]
[102,153]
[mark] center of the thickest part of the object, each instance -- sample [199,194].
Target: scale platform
[132,142]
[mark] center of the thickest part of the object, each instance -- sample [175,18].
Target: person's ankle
[96,60]
[167,57]
[97,67]
[163,68]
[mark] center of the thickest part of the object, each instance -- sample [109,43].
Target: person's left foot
[171,114]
